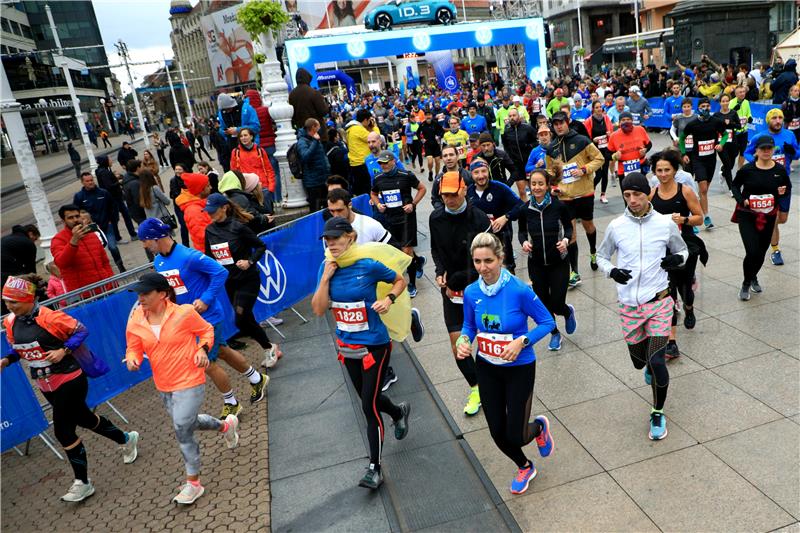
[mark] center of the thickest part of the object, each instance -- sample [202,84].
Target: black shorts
[703,168]
[741,142]
[580,208]
[404,234]
[433,150]
[453,314]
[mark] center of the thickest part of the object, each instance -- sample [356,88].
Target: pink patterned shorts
[653,319]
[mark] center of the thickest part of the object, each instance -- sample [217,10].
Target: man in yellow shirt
[458,138]
[358,149]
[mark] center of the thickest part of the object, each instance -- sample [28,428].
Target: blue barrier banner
[21,418]
[442,61]
[659,120]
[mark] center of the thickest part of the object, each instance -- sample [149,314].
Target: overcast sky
[143,25]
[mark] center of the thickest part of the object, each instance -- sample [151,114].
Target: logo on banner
[275,276]
[422,41]
[450,83]
[356,48]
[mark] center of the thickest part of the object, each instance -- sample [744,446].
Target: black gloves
[789,150]
[621,275]
[671,262]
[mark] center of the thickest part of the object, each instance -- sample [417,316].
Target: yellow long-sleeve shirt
[357,147]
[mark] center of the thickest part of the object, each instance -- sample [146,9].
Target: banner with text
[660,119]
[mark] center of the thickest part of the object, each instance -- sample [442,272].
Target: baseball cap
[474,136]
[385,156]
[559,115]
[214,202]
[485,137]
[451,183]
[516,98]
[336,227]
[635,89]
[765,141]
[152,281]
[152,229]
[635,181]
[543,129]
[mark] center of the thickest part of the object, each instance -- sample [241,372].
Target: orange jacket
[172,354]
[254,161]
[196,219]
[58,323]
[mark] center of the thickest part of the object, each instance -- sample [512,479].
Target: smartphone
[92,226]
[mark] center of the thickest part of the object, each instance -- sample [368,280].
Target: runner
[539,154]
[413,142]
[572,161]
[457,138]
[727,156]
[741,105]
[518,140]
[50,342]
[639,107]
[496,312]
[232,244]
[431,134]
[176,340]
[619,108]
[709,135]
[545,232]
[349,285]
[450,158]
[391,194]
[680,121]
[641,237]
[199,280]
[680,203]
[599,128]
[474,149]
[500,163]
[453,226]
[473,122]
[758,189]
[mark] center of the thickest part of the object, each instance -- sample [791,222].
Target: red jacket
[254,161]
[609,127]
[83,264]
[267,133]
[196,219]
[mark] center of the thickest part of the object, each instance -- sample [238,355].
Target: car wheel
[383,21]
[444,16]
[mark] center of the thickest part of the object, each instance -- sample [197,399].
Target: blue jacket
[537,154]
[374,167]
[194,276]
[316,167]
[497,200]
[248,119]
[99,203]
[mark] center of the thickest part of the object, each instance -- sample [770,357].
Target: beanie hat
[251,181]
[225,101]
[635,181]
[152,229]
[775,112]
[195,183]
[485,138]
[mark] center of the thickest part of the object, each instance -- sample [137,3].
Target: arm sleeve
[468,328]
[63,253]
[134,350]
[606,250]
[161,196]
[201,328]
[535,309]
[531,164]
[682,142]
[750,152]
[676,244]
[216,273]
[77,338]
[257,245]
[738,182]
[597,159]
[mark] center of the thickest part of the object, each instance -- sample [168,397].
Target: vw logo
[356,48]
[422,41]
[483,36]
[538,74]
[533,30]
[274,279]
[450,83]
[302,54]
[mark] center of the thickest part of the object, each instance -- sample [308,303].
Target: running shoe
[707,222]
[420,265]
[271,356]
[372,478]
[129,450]
[672,351]
[776,258]
[230,409]
[231,436]
[430,176]
[412,291]
[275,321]
[523,478]
[401,426]
[603,199]
[574,280]
[417,328]
[555,342]
[658,425]
[545,439]
[572,321]
[79,491]
[755,286]
[593,261]
[744,292]
[123,241]
[259,390]
[473,402]
[648,377]
[388,379]
[695,230]
[689,320]
[189,493]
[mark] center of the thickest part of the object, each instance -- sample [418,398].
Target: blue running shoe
[776,258]
[545,439]
[648,377]
[555,342]
[412,291]
[420,264]
[524,477]
[658,425]
[707,222]
[572,321]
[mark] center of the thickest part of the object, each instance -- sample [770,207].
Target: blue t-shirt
[351,287]
[580,114]
[474,125]
[783,137]
[506,312]
[194,275]
[672,106]
[537,154]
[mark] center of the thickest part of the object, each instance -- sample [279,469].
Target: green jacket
[743,110]
[555,105]
[502,115]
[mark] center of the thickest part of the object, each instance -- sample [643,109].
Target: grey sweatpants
[184,406]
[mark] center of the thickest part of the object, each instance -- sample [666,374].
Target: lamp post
[105,112]
[174,98]
[186,93]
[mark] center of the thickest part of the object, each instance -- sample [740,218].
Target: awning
[647,40]
[789,48]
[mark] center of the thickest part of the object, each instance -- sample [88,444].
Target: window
[3,49]
[15,28]
[26,31]
[5,25]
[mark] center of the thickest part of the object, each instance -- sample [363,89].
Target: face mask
[794,98]
[627,127]
[704,112]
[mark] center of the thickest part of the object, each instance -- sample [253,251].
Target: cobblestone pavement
[138,497]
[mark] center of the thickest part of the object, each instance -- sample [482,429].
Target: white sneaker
[129,449]
[270,356]
[275,321]
[79,491]
[123,241]
[232,435]
[189,494]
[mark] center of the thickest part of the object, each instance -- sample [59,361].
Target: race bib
[689,142]
[780,159]
[380,120]
[762,203]
[566,173]
[458,297]
[743,121]
[175,281]
[30,351]
[794,124]
[631,165]
[637,118]
[222,253]
[392,198]
[461,151]
[536,107]
[350,316]
[705,148]
[601,141]
[490,346]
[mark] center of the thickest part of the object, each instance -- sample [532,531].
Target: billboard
[230,50]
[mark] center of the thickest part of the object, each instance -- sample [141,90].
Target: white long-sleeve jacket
[640,244]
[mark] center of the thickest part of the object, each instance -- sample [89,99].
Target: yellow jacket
[357,143]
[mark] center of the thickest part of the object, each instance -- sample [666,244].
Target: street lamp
[371,81]
[105,112]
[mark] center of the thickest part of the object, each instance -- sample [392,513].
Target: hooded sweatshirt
[308,103]
[267,133]
[192,205]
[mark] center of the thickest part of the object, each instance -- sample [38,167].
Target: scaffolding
[513,54]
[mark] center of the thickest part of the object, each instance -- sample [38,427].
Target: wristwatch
[392,297]
[67,351]
[525,341]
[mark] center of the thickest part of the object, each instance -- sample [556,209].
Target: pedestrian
[130,190]
[152,199]
[18,250]
[82,261]
[308,102]
[180,155]
[451,164]
[336,152]
[519,140]
[266,136]
[177,341]
[432,133]
[161,146]
[729,150]
[599,128]
[50,341]
[126,153]
[316,168]
[104,136]
[232,118]
[358,148]
[496,312]
[233,185]
[176,186]
[149,163]
[349,280]
[108,180]
[192,201]
[204,167]
[249,157]
[75,159]
[101,207]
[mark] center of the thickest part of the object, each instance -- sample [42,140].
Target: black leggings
[506,398]
[162,157]
[367,382]
[756,243]
[680,283]
[728,159]
[601,176]
[549,282]
[243,294]
[650,353]
[415,149]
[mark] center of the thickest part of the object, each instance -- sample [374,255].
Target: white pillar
[275,91]
[124,53]
[186,94]
[174,98]
[27,165]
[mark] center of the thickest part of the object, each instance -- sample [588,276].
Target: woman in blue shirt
[363,341]
[496,312]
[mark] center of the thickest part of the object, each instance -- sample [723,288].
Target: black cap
[765,141]
[559,115]
[474,136]
[625,114]
[636,181]
[152,281]
[472,104]
[336,227]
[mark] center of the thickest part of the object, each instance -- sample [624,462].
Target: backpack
[295,166]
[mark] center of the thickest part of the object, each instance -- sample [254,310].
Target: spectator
[192,201]
[316,168]
[204,167]
[106,179]
[55,285]
[359,149]
[336,152]
[18,251]
[784,81]
[266,136]
[232,118]
[149,163]
[125,154]
[130,190]
[75,159]
[106,142]
[235,186]
[151,198]
[102,209]
[248,157]
[180,154]
[82,260]
[308,103]
[176,186]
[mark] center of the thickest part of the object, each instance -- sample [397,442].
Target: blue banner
[442,61]
[21,417]
[659,119]
[338,75]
